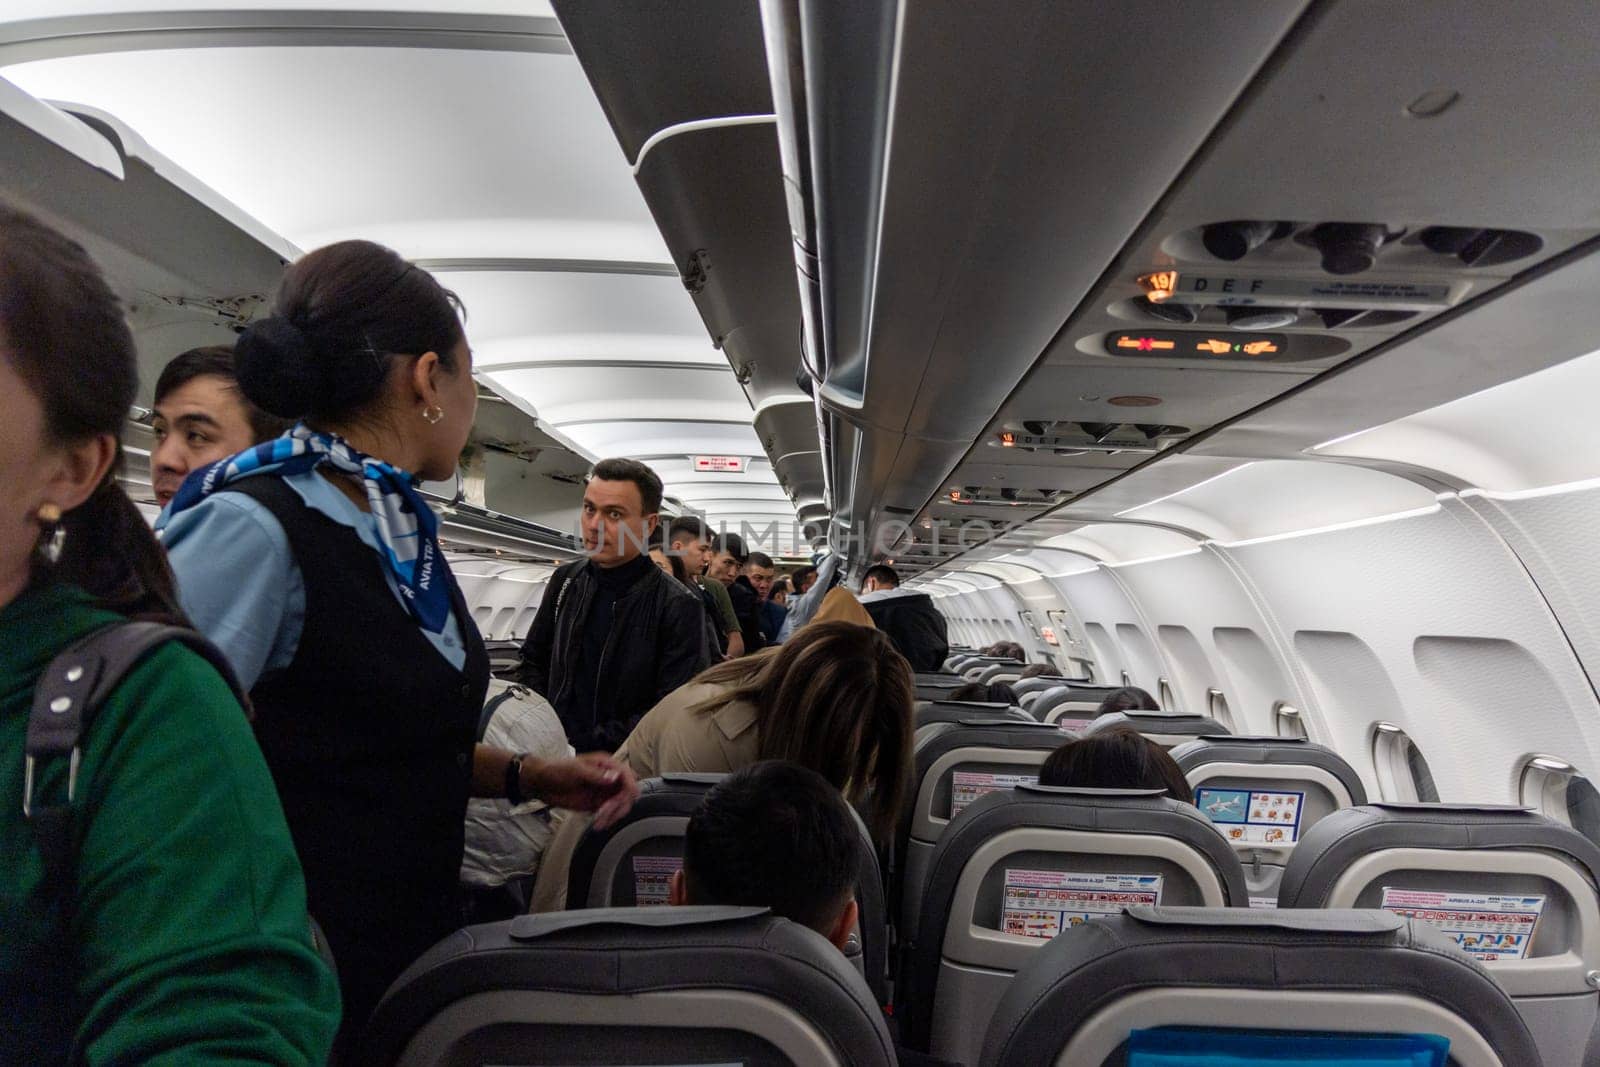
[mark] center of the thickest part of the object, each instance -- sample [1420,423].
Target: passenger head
[774,835]
[840,605]
[367,346]
[1129,698]
[803,580]
[1119,758]
[1006,650]
[201,416]
[880,576]
[727,556]
[621,506]
[67,378]
[836,698]
[689,539]
[993,693]
[779,593]
[759,568]
[1035,670]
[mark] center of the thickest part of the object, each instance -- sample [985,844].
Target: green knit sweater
[187,940]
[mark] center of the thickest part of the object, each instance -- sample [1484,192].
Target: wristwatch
[514,779]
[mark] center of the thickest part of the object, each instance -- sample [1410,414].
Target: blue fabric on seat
[1189,1047]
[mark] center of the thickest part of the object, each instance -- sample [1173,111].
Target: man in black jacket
[916,627]
[613,634]
[728,566]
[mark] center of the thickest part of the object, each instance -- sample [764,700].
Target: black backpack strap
[494,705]
[65,698]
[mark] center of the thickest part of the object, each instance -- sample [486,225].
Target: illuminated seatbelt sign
[1194,345]
[720,464]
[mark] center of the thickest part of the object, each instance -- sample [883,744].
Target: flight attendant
[314,564]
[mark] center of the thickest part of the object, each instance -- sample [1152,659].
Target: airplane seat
[932,690]
[630,863]
[631,985]
[1037,684]
[1019,867]
[1515,888]
[1166,728]
[929,712]
[1264,794]
[1186,980]
[1075,702]
[954,662]
[957,763]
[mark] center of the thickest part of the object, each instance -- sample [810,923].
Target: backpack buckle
[27,781]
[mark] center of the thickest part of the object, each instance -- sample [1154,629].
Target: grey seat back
[1536,877]
[996,672]
[930,712]
[1079,997]
[1165,728]
[1018,867]
[1075,701]
[630,863]
[956,763]
[931,689]
[1264,794]
[630,985]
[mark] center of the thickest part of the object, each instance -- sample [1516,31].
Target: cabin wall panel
[1444,577]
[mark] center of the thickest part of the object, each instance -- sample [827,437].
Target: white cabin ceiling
[496,169]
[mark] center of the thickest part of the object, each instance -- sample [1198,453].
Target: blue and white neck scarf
[407,527]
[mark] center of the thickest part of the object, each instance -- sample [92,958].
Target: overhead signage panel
[1189,344]
[1246,290]
[719,464]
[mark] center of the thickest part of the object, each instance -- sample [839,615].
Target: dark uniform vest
[369,735]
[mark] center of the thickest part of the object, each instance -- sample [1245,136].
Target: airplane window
[1554,787]
[1289,721]
[1403,774]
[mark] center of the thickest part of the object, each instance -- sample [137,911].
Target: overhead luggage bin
[614,983]
[1265,794]
[1281,975]
[1514,888]
[1025,865]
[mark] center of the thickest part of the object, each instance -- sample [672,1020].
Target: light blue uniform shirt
[240,585]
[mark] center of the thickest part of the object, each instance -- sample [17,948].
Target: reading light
[1347,247]
[1159,285]
[1008,440]
[1234,240]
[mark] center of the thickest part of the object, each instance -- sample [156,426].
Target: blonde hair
[836,698]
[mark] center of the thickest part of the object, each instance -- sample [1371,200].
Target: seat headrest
[1271,753]
[1072,978]
[1088,791]
[619,952]
[1159,722]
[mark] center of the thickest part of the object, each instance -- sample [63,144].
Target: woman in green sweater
[179,933]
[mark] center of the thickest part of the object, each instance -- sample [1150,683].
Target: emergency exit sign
[725,464]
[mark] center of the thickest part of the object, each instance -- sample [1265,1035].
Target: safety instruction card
[652,879]
[1044,903]
[967,786]
[1251,817]
[1487,926]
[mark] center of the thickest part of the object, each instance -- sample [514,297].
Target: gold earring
[54,535]
[433,414]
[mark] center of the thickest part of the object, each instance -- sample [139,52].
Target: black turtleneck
[610,585]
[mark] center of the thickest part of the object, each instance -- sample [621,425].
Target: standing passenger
[314,564]
[613,634]
[909,618]
[200,417]
[175,928]
[692,541]
[775,609]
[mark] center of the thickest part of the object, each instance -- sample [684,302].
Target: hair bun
[278,367]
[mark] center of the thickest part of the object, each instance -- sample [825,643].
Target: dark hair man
[728,565]
[689,539]
[803,579]
[916,627]
[614,634]
[201,416]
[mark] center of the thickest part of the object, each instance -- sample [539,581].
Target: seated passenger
[1119,758]
[908,616]
[836,698]
[1007,650]
[992,693]
[201,416]
[1036,670]
[777,836]
[1128,698]
[504,840]
[171,925]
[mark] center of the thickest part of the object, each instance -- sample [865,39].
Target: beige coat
[670,739]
